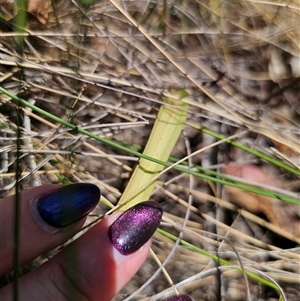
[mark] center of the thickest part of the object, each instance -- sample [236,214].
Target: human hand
[93,267]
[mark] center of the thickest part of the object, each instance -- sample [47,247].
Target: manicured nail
[179,298]
[65,206]
[133,228]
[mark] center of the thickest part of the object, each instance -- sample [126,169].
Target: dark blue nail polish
[179,298]
[67,205]
[134,227]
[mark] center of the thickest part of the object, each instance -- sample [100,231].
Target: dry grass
[106,68]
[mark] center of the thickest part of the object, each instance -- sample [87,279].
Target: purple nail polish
[134,227]
[179,298]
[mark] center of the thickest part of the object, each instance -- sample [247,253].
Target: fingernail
[133,228]
[179,298]
[65,206]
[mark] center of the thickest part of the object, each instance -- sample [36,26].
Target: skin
[89,269]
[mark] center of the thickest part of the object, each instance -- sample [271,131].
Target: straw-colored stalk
[164,135]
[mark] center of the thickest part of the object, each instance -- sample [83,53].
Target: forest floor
[108,67]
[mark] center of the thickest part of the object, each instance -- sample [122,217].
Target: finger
[36,235]
[98,264]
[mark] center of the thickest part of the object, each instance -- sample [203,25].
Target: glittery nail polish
[134,227]
[179,298]
[65,206]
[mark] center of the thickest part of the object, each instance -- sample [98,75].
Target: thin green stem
[217,259]
[17,208]
[250,150]
[233,183]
